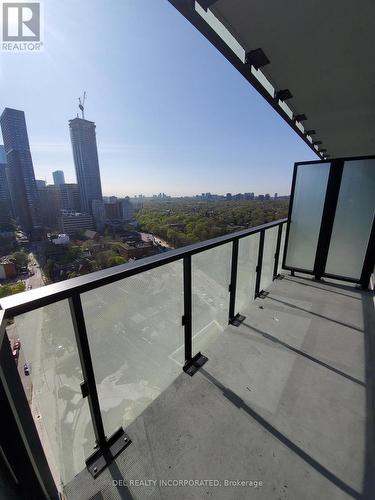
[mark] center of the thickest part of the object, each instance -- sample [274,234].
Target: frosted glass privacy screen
[308,203]
[353,219]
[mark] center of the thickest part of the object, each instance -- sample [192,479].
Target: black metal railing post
[192,363]
[187,318]
[260,263]
[277,253]
[369,261]
[89,384]
[328,217]
[107,449]
[233,280]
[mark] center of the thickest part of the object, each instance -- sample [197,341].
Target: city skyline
[58,176]
[87,169]
[159,128]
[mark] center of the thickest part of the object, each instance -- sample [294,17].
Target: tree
[21,258]
[6,290]
[72,274]
[48,269]
[102,258]
[116,260]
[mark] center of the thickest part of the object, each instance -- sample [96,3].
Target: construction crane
[81,104]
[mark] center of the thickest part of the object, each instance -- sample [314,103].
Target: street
[155,239]
[35,280]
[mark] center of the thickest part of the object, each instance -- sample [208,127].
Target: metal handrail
[40,297]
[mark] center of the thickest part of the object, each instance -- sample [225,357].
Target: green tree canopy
[21,258]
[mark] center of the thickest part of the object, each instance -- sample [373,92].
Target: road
[35,280]
[155,239]
[34,323]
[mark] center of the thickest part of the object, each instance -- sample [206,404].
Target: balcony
[244,358]
[282,400]
[217,365]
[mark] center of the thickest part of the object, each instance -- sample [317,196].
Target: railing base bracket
[102,457]
[194,364]
[237,320]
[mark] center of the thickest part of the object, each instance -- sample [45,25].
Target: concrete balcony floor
[285,399]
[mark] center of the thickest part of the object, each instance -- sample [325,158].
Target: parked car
[26,369]
[17,345]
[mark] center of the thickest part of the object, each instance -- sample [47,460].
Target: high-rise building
[40,183]
[58,177]
[98,214]
[73,223]
[127,209]
[249,196]
[85,153]
[5,203]
[113,210]
[70,197]
[20,170]
[49,205]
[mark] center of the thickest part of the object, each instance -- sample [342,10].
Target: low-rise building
[92,235]
[75,222]
[60,239]
[7,268]
[137,249]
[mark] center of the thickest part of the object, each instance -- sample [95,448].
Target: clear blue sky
[171,113]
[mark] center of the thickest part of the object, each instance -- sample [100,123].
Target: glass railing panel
[269,249]
[50,371]
[210,289]
[282,247]
[353,219]
[246,271]
[135,334]
[309,195]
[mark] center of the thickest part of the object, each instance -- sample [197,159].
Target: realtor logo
[21,23]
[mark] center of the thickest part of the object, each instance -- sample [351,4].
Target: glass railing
[50,370]
[96,350]
[210,282]
[136,340]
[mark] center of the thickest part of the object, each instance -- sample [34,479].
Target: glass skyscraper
[5,204]
[85,153]
[20,170]
[58,177]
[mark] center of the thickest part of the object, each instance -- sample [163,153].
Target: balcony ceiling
[323,52]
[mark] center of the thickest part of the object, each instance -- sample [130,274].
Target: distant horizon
[183,121]
[150,194]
